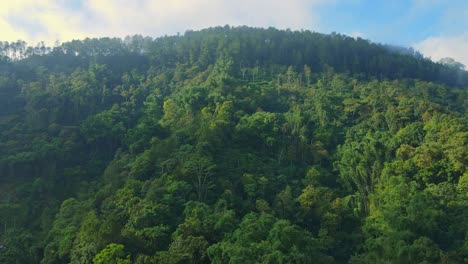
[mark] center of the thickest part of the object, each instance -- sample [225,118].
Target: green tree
[112,253]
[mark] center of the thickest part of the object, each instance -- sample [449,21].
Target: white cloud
[439,47]
[50,20]
[159,17]
[34,21]
[357,34]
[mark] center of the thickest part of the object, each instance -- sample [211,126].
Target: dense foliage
[231,145]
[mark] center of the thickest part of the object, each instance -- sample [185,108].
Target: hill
[230,145]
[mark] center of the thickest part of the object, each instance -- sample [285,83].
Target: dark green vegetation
[231,145]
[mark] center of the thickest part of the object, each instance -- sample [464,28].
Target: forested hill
[268,49]
[231,145]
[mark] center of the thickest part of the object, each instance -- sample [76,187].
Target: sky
[437,28]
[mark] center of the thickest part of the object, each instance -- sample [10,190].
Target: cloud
[448,36]
[160,17]
[440,47]
[357,34]
[52,20]
[34,21]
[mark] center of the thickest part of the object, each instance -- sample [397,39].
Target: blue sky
[403,22]
[437,28]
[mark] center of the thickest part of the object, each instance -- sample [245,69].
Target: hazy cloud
[50,20]
[439,47]
[356,34]
[447,37]
[39,20]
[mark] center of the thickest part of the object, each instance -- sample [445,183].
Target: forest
[231,145]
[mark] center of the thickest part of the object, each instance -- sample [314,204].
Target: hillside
[231,145]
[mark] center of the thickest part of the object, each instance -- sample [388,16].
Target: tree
[452,63]
[200,169]
[112,253]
